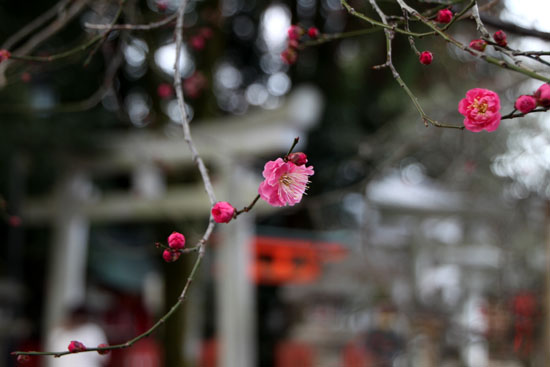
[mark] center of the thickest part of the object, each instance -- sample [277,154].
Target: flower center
[285,180]
[480,107]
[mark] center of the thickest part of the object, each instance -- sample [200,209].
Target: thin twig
[106,33]
[134,27]
[35,24]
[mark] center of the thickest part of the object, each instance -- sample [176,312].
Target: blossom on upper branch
[480,109]
[285,182]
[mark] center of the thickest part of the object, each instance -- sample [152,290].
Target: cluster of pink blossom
[285,182]
[295,34]
[481,107]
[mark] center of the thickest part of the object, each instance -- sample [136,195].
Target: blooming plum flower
[297,158]
[176,241]
[478,45]
[76,346]
[480,109]
[285,182]
[543,95]
[500,38]
[426,58]
[223,212]
[444,16]
[525,104]
[170,255]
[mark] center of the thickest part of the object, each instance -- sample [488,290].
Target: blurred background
[415,246]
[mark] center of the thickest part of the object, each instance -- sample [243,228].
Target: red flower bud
[500,38]
[295,32]
[164,90]
[206,32]
[297,158]
[426,58]
[444,16]
[223,212]
[102,345]
[543,95]
[478,45]
[313,32]
[4,55]
[197,42]
[23,359]
[170,255]
[176,241]
[525,104]
[289,56]
[293,44]
[76,346]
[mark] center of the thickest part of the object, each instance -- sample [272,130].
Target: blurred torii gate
[226,145]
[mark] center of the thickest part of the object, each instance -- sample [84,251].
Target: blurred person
[77,326]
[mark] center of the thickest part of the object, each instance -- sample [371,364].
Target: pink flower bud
[170,255]
[478,45]
[500,38]
[194,85]
[444,16]
[525,104]
[162,6]
[206,33]
[426,58]
[26,77]
[23,359]
[4,55]
[76,346]
[543,95]
[14,221]
[176,241]
[313,32]
[165,91]
[223,212]
[297,158]
[103,345]
[293,44]
[289,56]
[197,42]
[295,32]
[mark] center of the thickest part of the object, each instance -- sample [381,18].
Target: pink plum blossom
[285,182]
[480,109]
[223,212]
[525,104]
